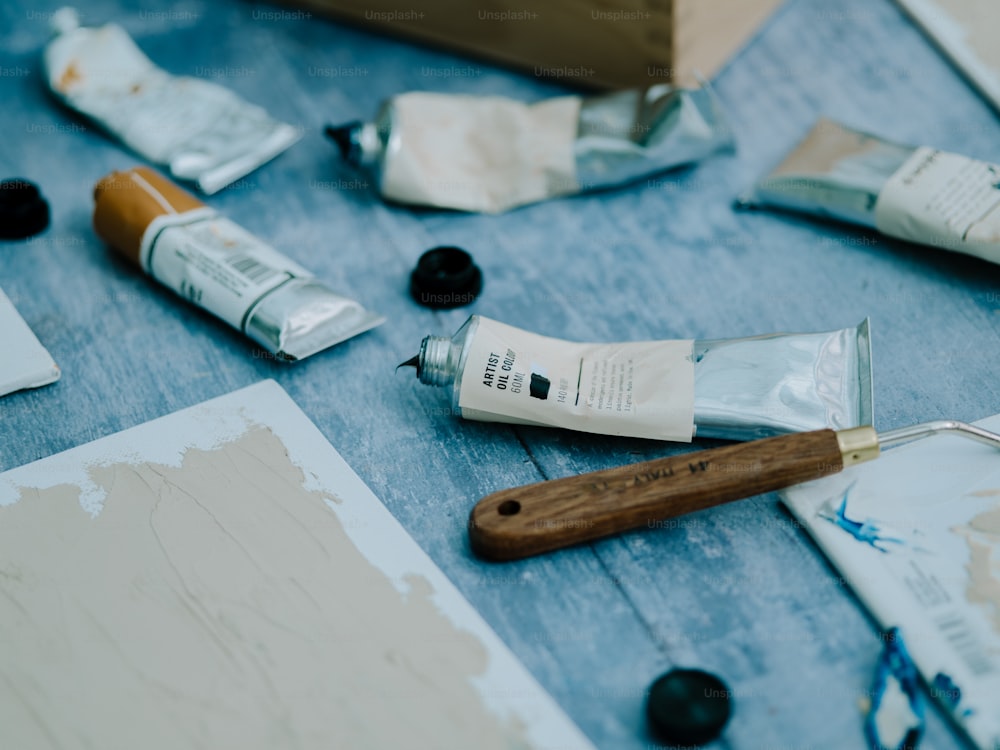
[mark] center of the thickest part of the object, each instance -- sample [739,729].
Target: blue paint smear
[864,531]
[895,664]
[949,693]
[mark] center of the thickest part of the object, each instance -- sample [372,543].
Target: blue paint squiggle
[867,531]
[896,670]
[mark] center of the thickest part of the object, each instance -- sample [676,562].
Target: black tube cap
[688,707]
[445,277]
[346,138]
[23,210]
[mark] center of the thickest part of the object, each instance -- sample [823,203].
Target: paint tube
[492,154]
[219,266]
[201,131]
[738,389]
[919,194]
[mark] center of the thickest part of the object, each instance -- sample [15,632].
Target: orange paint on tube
[126,203]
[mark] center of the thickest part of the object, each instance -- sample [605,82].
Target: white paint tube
[918,194]
[737,389]
[491,154]
[202,132]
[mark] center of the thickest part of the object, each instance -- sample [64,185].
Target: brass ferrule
[858,445]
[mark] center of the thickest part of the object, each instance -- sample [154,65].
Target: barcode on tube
[962,638]
[253,269]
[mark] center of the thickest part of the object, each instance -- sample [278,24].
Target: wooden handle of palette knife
[541,517]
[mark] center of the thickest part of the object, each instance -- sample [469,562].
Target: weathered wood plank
[737,589]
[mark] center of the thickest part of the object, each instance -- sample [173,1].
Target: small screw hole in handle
[509,508]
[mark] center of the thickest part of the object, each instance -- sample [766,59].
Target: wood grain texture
[738,589]
[546,516]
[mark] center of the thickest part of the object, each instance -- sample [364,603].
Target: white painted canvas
[221,578]
[919,542]
[24,362]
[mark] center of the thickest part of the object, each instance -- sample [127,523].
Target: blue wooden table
[739,590]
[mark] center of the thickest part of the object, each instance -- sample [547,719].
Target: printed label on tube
[638,389]
[214,262]
[943,199]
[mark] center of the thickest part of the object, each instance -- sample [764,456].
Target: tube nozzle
[346,138]
[413,361]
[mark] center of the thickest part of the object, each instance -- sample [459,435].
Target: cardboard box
[601,43]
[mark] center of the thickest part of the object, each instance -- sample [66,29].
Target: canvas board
[221,578]
[920,546]
[24,362]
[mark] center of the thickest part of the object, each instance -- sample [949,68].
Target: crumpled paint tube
[896,718]
[219,266]
[739,389]
[918,194]
[201,131]
[492,154]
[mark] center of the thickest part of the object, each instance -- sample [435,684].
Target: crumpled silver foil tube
[835,172]
[770,385]
[920,194]
[201,131]
[491,154]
